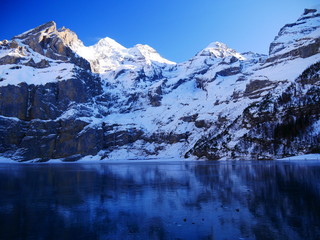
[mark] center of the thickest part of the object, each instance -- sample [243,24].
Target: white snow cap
[149,53]
[110,55]
[107,43]
[220,50]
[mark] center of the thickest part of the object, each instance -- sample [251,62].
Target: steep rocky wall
[43,140]
[49,101]
[31,125]
[71,139]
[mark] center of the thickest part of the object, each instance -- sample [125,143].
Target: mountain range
[60,99]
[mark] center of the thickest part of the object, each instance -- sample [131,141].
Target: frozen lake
[161,200]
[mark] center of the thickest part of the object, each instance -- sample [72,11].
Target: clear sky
[177,29]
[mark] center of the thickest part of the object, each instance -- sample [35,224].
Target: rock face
[62,100]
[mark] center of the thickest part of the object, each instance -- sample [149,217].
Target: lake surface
[161,200]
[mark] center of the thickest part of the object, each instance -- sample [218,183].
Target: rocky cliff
[62,100]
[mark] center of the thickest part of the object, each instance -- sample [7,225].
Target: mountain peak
[145,47]
[308,11]
[48,27]
[53,43]
[217,45]
[149,54]
[304,32]
[46,31]
[108,43]
[219,50]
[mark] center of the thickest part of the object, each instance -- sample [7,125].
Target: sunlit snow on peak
[149,54]
[219,50]
[108,43]
[108,55]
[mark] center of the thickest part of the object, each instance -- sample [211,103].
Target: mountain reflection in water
[154,200]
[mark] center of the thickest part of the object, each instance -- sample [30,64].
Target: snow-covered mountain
[61,99]
[108,55]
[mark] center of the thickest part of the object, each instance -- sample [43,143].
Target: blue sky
[177,29]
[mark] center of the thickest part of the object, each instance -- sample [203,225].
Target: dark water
[170,200]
